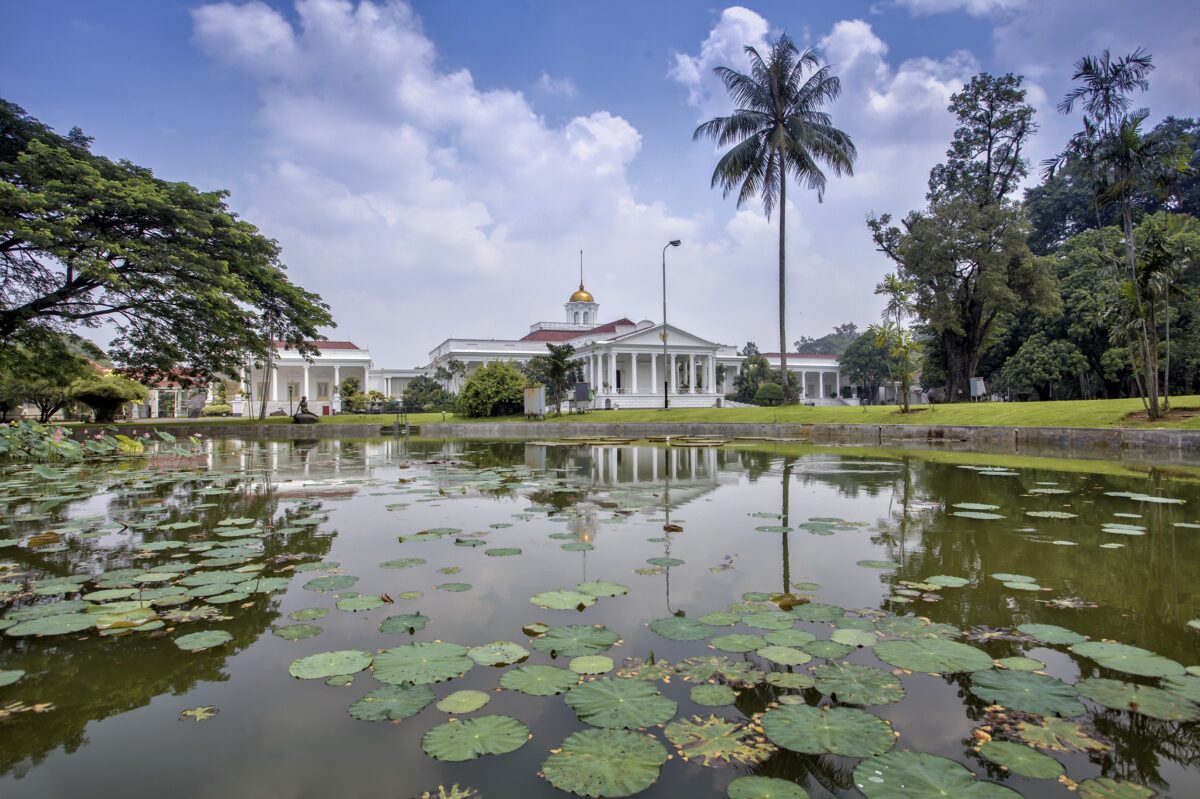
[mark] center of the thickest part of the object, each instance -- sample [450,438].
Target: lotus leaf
[422,663]
[771,620]
[563,600]
[710,695]
[572,640]
[402,563]
[498,653]
[702,669]
[829,650]
[679,628]
[783,679]
[665,563]
[592,664]
[878,564]
[933,655]
[1187,686]
[225,599]
[818,730]
[853,637]
[739,642]
[1051,634]
[1129,659]
[359,603]
[1023,760]
[792,638]
[947,581]
[784,655]
[816,611]
[296,632]
[454,588]
[466,739]
[392,703]
[463,702]
[1146,700]
[1108,788]
[755,787]
[60,624]
[406,623]
[328,664]
[308,614]
[610,702]
[717,742]
[202,713]
[719,618]
[1020,663]
[1058,735]
[1050,514]
[917,775]
[333,582]
[539,680]
[605,763]
[502,552]
[10,677]
[858,685]
[1027,692]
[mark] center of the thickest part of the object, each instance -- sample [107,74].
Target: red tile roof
[325,345]
[567,335]
[798,355]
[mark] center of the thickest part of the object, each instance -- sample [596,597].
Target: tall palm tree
[778,128]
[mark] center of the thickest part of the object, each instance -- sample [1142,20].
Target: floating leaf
[917,775]
[296,632]
[933,655]
[612,702]
[830,650]
[1052,634]
[502,552]
[1129,659]
[858,685]
[202,713]
[328,664]
[784,655]
[817,611]
[600,588]
[1058,735]
[855,638]
[332,582]
[572,640]
[1187,686]
[421,663]
[977,514]
[1020,663]
[404,623]
[498,653]
[592,664]
[609,763]
[1144,699]
[402,563]
[392,703]
[665,563]
[454,588]
[755,787]
[709,695]
[1108,788]
[1039,694]
[10,677]
[1023,760]
[717,742]
[681,628]
[783,679]
[61,624]
[563,600]
[702,669]
[466,739]
[463,702]
[878,564]
[355,604]
[818,730]
[792,638]
[947,581]
[539,680]
[739,642]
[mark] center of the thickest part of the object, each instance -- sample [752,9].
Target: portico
[630,370]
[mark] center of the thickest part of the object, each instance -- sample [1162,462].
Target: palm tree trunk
[783,367]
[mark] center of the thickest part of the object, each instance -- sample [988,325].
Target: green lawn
[1071,413]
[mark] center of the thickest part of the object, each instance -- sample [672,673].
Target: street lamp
[666,376]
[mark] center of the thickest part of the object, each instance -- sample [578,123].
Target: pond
[381,618]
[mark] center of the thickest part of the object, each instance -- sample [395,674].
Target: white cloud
[563,87]
[976,8]
[736,29]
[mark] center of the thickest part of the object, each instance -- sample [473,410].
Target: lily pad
[853,637]
[328,664]
[463,702]
[717,742]
[466,739]
[739,642]
[498,653]
[1108,788]
[592,664]
[563,600]
[539,680]
[332,582]
[755,787]
[502,552]
[356,604]
[296,632]
[392,703]
[10,677]
[1128,659]
[710,695]
[572,640]
[402,563]
[1052,634]
[858,685]
[404,623]
[1020,663]
[680,628]
[1025,691]
[665,563]
[917,775]
[608,763]
[784,655]
[829,650]
[600,588]
[947,581]
[612,703]
[933,655]
[454,588]
[1144,699]
[792,638]
[1058,735]
[422,663]
[818,730]
[1023,760]
[61,624]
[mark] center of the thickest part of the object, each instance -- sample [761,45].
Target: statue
[303,415]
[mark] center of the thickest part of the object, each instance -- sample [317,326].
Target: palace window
[585,317]
[577,317]
[322,390]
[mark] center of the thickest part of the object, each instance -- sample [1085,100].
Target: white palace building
[623,361]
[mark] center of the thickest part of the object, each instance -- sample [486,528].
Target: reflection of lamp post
[666,377]
[290,388]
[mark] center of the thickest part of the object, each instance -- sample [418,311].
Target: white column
[803,384]
[653,374]
[837,383]
[634,453]
[178,402]
[306,391]
[274,382]
[612,371]
[154,404]
[674,376]
[366,379]
[208,398]
[821,385]
[712,373]
[633,364]
[692,372]
[337,375]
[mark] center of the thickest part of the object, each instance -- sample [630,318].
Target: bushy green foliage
[755,371]
[216,409]
[427,394]
[107,394]
[556,370]
[769,394]
[865,363]
[497,389]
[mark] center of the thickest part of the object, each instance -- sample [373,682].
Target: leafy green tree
[834,343]
[427,394]
[85,241]
[556,370]
[755,371]
[866,363]
[750,349]
[449,371]
[779,128]
[769,394]
[41,370]
[902,350]
[106,395]
[349,387]
[497,389]
[966,255]
[1040,363]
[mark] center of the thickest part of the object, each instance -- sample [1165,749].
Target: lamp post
[666,376]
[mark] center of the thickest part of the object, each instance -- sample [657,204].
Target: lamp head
[675,242]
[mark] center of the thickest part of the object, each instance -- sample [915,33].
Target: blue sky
[433,168]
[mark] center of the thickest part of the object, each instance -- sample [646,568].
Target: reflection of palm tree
[784,512]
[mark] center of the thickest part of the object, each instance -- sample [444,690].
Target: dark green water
[113,727]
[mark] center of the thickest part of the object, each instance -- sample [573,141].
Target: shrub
[497,389]
[216,409]
[769,394]
[107,394]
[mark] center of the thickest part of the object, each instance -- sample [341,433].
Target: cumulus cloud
[564,87]
[976,8]
[736,29]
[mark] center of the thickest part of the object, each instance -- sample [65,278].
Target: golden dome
[583,295]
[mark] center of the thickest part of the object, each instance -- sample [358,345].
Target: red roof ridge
[798,355]
[324,345]
[567,335]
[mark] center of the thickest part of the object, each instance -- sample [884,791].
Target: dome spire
[583,295]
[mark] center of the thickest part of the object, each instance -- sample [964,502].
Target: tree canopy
[183,282]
